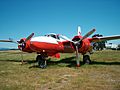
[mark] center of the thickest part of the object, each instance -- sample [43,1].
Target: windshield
[56,36]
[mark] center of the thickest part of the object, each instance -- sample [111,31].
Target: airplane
[52,44]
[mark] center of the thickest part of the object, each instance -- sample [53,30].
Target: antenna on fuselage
[79,30]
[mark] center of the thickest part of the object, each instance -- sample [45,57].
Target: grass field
[61,74]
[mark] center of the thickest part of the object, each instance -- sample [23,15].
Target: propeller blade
[10,40]
[79,30]
[66,38]
[13,41]
[77,57]
[88,34]
[22,61]
[29,37]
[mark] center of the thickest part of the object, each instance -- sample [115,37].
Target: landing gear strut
[41,61]
[86,59]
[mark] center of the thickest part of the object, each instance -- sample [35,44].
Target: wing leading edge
[99,39]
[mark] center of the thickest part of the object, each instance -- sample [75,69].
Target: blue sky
[19,18]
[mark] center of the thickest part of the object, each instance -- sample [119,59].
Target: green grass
[61,74]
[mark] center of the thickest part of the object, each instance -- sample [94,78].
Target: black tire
[38,58]
[86,59]
[41,62]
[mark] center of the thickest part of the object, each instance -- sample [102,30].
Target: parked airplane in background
[112,46]
[53,44]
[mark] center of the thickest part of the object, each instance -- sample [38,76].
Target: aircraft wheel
[41,61]
[86,59]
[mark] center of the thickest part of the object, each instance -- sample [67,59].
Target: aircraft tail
[79,30]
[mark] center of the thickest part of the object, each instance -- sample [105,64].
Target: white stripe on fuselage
[44,39]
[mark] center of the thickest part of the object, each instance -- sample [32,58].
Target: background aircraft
[52,44]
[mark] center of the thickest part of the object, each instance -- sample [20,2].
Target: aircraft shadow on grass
[24,61]
[70,62]
[105,63]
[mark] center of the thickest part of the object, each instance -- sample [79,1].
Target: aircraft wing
[6,41]
[99,39]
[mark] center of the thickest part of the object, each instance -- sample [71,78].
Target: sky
[19,18]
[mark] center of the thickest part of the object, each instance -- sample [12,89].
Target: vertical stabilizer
[79,30]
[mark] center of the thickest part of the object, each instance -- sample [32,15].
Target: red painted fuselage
[52,46]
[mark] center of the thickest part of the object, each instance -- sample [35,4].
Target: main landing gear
[86,59]
[41,61]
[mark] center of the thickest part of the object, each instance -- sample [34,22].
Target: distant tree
[118,46]
[99,45]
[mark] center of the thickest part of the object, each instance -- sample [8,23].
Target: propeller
[21,44]
[77,43]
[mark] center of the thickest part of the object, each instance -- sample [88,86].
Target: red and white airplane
[53,44]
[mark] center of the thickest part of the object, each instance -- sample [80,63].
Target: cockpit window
[53,35]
